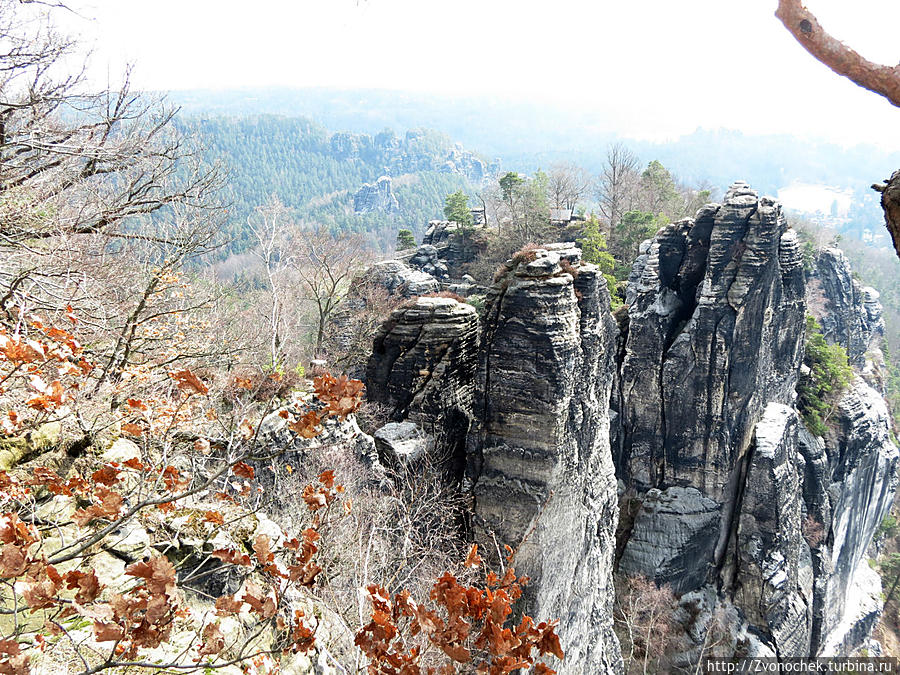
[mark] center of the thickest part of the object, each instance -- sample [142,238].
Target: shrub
[888,528]
[813,531]
[445,294]
[526,254]
[567,267]
[828,374]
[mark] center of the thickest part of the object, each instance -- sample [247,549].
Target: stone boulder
[399,279]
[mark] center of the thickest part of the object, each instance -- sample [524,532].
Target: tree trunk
[890,202]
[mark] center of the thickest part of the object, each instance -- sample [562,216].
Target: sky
[651,69]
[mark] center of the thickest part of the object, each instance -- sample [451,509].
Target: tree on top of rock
[456,209]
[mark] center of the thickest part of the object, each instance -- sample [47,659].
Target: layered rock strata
[716,311]
[738,499]
[539,462]
[423,366]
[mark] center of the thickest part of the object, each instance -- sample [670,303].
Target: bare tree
[268,226]
[101,201]
[567,183]
[325,265]
[617,182]
[643,622]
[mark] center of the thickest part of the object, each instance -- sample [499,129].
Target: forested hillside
[316,173]
[528,136]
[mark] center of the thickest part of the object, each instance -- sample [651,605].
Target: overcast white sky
[657,67]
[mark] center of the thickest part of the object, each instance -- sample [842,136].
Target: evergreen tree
[456,209]
[405,240]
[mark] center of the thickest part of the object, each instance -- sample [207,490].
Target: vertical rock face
[376,197]
[715,321]
[715,325]
[850,314]
[861,480]
[771,575]
[539,459]
[738,499]
[423,367]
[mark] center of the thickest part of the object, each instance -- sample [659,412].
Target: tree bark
[890,202]
[802,24]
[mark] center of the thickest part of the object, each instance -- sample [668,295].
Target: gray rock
[423,365]
[770,574]
[864,477]
[539,462]
[456,246]
[401,444]
[714,334]
[703,402]
[399,279]
[849,314]
[378,197]
[672,532]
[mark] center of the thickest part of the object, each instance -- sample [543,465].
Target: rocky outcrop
[715,323]
[861,481]
[673,529]
[769,575]
[378,197]
[715,309]
[423,368]
[738,499]
[456,247]
[427,259]
[539,463]
[397,278]
[850,314]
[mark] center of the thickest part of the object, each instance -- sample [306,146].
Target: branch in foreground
[890,202]
[843,60]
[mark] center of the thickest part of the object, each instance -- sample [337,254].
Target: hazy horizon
[654,70]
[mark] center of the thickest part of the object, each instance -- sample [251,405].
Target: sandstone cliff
[850,314]
[423,368]
[533,399]
[539,461]
[378,196]
[738,502]
[741,510]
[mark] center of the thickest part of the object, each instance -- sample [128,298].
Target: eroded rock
[539,462]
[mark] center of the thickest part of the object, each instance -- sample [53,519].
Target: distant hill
[317,173]
[527,135]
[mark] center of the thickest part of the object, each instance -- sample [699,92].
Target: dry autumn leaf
[189,383]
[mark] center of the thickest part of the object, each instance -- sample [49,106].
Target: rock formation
[376,197]
[427,259]
[455,247]
[746,514]
[539,461]
[397,278]
[715,321]
[739,502]
[850,314]
[423,368]
[860,481]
